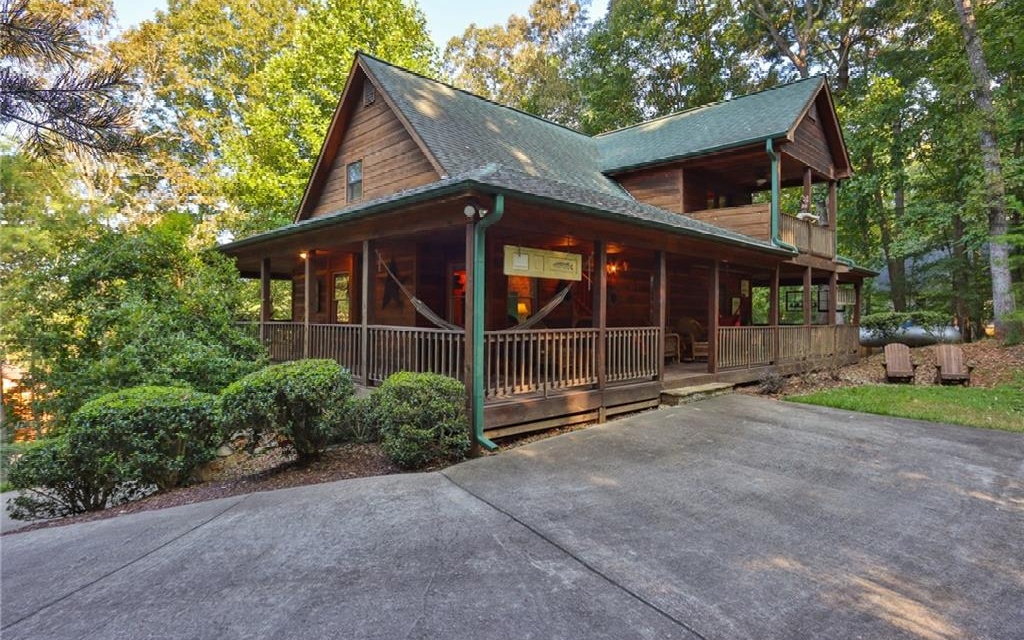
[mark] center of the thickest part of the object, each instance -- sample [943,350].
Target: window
[369,93]
[354,173]
[342,298]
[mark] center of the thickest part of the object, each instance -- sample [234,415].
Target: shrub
[114,449]
[886,323]
[152,435]
[302,401]
[771,383]
[358,423]
[55,480]
[422,418]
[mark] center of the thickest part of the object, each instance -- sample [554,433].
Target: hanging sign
[541,263]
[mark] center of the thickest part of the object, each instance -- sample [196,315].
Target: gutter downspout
[479,278]
[776,240]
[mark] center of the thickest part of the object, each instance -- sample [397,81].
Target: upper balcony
[735,189]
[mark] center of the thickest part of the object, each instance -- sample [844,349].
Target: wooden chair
[898,365]
[950,366]
[673,346]
[700,350]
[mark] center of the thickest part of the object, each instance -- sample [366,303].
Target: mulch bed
[266,471]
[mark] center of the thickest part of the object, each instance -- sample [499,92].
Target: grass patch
[997,408]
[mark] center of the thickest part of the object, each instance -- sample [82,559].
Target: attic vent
[369,93]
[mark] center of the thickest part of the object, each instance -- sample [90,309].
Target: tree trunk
[999,249]
[960,280]
[895,265]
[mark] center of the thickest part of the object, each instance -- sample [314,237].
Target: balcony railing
[807,237]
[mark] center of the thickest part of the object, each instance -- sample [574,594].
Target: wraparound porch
[535,379]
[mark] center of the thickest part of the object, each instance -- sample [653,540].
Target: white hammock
[423,309]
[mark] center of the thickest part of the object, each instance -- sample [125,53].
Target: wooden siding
[810,146]
[661,187]
[392,161]
[753,220]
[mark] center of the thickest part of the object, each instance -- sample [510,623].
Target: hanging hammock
[543,311]
[418,304]
[438,321]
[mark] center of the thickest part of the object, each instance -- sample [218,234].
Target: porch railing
[632,353]
[518,362]
[393,349]
[746,346]
[339,342]
[740,347]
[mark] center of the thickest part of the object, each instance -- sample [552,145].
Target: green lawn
[998,408]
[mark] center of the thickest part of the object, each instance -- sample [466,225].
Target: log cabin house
[563,277]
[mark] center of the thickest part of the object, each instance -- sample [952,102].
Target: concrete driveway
[735,517]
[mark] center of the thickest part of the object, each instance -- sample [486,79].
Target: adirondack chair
[950,366]
[898,365]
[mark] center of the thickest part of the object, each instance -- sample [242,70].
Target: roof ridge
[471,94]
[819,76]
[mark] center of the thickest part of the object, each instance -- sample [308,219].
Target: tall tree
[522,64]
[54,91]
[649,58]
[269,152]
[1003,304]
[197,62]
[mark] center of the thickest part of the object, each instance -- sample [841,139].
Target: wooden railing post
[600,306]
[660,307]
[307,301]
[266,304]
[807,296]
[365,305]
[713,313]
[773,313]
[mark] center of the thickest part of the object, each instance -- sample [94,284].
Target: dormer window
[354,184]
[369,93]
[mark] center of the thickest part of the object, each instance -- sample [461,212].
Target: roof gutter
[776,240]
[479,279]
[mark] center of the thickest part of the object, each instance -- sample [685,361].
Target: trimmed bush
[56,481]
[358,424]
[302,401]
[116,448]
[422,419]
[152,435]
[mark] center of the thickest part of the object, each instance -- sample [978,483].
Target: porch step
[683,395]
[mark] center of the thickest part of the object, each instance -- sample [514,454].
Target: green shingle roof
[482,144]
[465,132]
[730,123]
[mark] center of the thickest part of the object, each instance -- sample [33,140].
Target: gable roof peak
[362,54]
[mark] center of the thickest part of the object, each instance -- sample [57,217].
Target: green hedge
[115,448]
[303,401]
[154,435]
[422,419]
[886,323]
